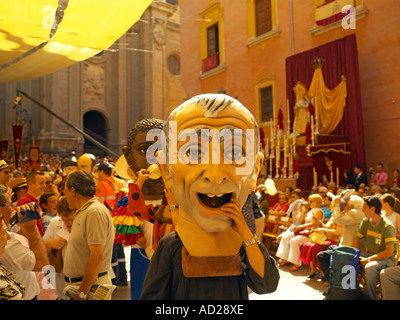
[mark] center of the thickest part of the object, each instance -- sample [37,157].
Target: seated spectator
[388,204]
[48,204]
[396,178]
[322,191]
[298,218]
[288,191]
[295,195]
[390,283]
[361,192]
[300,192]
[280,208]
[350,218]
[326,208]
[332,188]
[56,237]
[314,190]
[376,190]
[310,250]
[339,190]
[289,246]
[395,192]
[380,239]
[25,252]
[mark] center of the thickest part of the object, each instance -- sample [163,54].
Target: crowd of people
[68,189]
[77,220]
[360,214]
[45,252]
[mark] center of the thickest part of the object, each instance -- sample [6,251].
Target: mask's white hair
[212,105]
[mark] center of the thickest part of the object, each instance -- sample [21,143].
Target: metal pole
[94,141]
[292,22]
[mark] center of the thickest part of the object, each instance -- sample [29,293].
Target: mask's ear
[256,171]
[132,175]
[161,162]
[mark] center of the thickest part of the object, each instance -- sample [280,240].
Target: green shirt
[377,237]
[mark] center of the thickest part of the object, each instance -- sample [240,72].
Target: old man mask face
[213,158]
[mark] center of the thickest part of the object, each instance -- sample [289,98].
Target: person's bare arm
[36,244]
[92,268]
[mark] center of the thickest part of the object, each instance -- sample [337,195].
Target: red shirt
[27,198]
[280,207]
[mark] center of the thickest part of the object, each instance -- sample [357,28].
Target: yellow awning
[39,37]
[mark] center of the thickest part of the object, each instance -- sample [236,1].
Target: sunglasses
[7,205]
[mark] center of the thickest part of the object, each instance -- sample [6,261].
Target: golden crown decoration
[317,63]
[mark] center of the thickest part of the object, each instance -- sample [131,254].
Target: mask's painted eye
[143,149]
[234,154]
[193,153]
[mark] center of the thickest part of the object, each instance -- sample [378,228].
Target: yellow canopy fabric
[39,37]
[330,103]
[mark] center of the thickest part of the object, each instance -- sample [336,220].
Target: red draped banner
[340,59]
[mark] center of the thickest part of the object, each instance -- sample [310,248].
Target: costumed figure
[68,166]
[87,162]
[212,254]
[134,215]
[301,109]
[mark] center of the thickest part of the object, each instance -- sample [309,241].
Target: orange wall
[378,40]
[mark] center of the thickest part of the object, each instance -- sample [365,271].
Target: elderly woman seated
[279,209]
[290,244]
[331,234]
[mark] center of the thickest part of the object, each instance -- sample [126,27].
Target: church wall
[124,85]
[378,41]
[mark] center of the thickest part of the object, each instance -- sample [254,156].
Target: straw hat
[3,165]
[17,183]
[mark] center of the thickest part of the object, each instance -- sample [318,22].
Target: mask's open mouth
[215,200]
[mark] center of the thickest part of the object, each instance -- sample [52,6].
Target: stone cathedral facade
[138,77]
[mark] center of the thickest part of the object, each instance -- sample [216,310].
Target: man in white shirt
[25,251]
